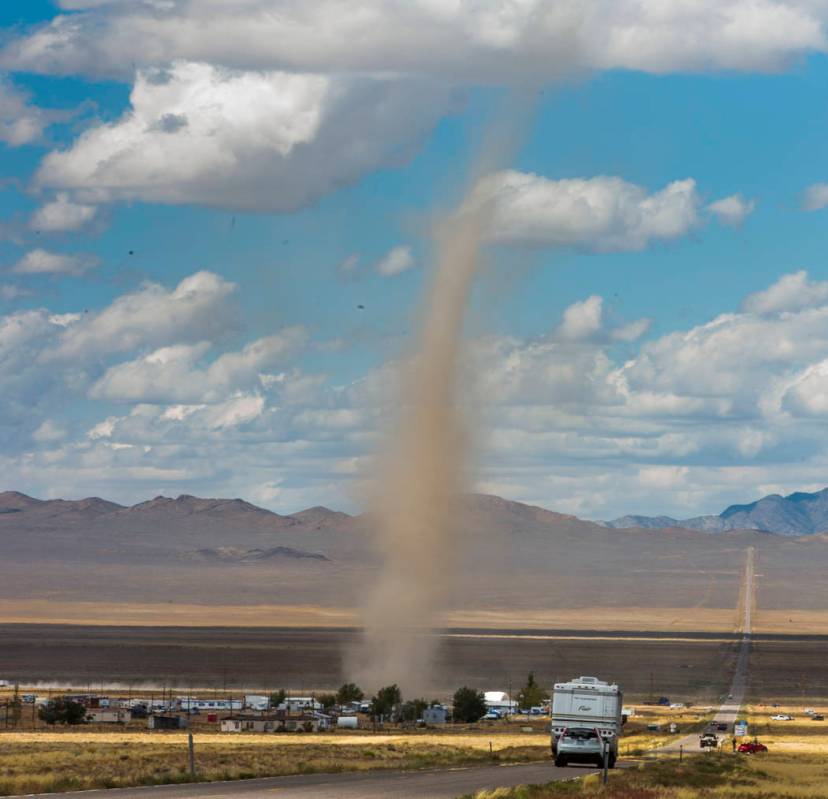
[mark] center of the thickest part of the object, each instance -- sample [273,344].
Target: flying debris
[132,252]
[361,307]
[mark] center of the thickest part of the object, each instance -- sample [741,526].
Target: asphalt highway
[432,784]
[729,709]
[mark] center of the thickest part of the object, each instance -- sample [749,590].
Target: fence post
[191,753]
[606,762]
[681,752]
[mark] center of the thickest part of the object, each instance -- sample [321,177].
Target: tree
[532,694]
[14,707]
[469,705]
[62,710]
[349,693]
[277,698]
[326,700]
[386,700]
[14,710]
[413,709]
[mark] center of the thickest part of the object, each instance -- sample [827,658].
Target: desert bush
[61,710]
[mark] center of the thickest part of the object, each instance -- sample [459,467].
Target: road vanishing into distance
[729,709]
[431,784]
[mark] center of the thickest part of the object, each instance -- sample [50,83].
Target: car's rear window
[581,734]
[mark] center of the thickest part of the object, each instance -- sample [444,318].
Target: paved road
[729,709]
[437,784]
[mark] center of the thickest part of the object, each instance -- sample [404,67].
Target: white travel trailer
[256,702]
[586,721]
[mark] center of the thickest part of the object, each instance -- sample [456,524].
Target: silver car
[581,745]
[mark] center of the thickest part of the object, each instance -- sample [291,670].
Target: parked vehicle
[817,717]
[752,748]
[782,717]
[586,721]
[721,726]
[708,740]
[491,715]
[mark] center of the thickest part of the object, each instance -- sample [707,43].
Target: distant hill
[236,555]
[797,514]
[319,517]
[508,555]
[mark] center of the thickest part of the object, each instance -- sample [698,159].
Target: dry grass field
[632,619]
[169,614]
[90,757]
[31,764]
[802,736]
[703,777]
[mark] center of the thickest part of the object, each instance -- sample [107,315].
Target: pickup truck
[708,740]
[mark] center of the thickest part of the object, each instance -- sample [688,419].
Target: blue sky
[271,171]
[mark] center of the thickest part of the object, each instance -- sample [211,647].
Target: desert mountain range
[508,555]
[797,514]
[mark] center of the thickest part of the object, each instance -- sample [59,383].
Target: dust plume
[425,466]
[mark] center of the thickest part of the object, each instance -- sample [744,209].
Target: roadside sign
[740,729]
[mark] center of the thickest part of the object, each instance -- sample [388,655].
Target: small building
[257,702]
[281,721]
[500,701]
[300,704]
[435,715]
[245,724]
[108,716]
[159,722]
[323,721]
[192,704]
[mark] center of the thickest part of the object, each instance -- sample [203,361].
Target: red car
[752,748]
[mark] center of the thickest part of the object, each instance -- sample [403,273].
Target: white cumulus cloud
[601,213]
[172,375]
[197,309]
[792,292]
[43,262]
[273,141]
[582,320]
[61,214]
[397,260]
[732,210]
[465,40]
[815,197]
[20,122]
